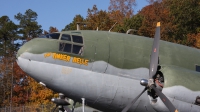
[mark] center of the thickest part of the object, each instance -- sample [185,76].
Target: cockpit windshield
[51,36]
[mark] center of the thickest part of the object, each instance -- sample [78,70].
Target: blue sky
[56,13]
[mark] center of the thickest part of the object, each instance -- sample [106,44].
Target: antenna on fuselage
[78,25]
[112,26]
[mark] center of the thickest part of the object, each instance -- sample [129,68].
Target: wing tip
[158,24]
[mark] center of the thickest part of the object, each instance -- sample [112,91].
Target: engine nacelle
[60,101]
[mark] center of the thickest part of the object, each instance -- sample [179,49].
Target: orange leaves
[24,90]
[39,94]
[98,18]
[193,40]
[197,44]
[53,29]
[153,13]
[117,16]
[124,6]
[121,9]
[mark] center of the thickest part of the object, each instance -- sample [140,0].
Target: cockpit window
[77,39]
[66,37]
[67,45]
[54,35]
[51,36]
[77,49]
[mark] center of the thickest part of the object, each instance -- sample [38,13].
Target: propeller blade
[134,100]
[164,99]
[154,52]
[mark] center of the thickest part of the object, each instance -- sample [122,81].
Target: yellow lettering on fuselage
[61,57]
[67,58]
[47,55]
[80,61]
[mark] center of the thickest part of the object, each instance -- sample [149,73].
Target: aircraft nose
[22,49]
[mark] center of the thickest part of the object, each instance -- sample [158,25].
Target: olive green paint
[129,52]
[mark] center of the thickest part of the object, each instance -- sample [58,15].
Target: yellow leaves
[40,94]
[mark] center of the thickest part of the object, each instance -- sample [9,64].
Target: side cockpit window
[53,36]
[71,44]
[197,68]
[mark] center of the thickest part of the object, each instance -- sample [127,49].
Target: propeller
[132,102]
[149,84]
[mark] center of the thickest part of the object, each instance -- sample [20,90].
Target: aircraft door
[101,55]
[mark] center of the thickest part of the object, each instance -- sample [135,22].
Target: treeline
[180,20]
[180,23]
[16,88]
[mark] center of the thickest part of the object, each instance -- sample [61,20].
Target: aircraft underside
[110,90]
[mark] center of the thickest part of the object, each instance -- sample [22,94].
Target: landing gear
[62,103]
[73,106]
[197,101]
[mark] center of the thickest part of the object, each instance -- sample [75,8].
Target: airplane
[115,72]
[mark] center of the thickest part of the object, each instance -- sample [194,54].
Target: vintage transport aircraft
[115,72]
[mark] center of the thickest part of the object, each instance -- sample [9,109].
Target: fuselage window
[77,39]
[66,37]
[65,47]
[197,68]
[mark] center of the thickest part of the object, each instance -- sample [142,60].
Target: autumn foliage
[180,23]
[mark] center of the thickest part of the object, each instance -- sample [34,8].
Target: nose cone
[22,49]
[27,47]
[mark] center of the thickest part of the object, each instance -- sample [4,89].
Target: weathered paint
[120,57]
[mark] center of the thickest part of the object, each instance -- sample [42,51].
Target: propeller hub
[144,82]
[150,82]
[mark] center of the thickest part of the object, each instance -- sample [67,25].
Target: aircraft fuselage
[105,68]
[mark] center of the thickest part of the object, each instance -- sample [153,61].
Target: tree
[98,19]
[73,24]
[157,12]
[152,1]
[186,17]
[193,40]
[197,42]
[6,84]
[20,94]
[8,34]
[124,6]
[120,9]
[135,22]
[53,29]
[28,24]
[39,94]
